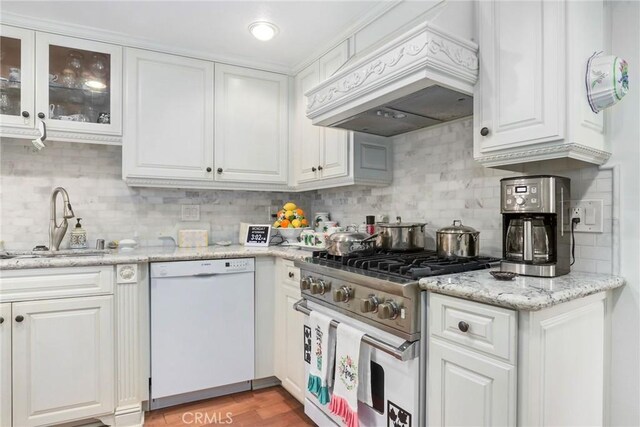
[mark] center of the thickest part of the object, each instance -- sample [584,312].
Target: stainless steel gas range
[379,294]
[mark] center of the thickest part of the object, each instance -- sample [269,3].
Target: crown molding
[570,150]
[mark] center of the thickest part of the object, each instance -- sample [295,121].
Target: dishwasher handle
[205,274]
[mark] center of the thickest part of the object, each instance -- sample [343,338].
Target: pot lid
[457,228]
[401,224]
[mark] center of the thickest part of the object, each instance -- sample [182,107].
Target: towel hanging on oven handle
[406,351]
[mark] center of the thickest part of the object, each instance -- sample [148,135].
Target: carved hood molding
[422,57]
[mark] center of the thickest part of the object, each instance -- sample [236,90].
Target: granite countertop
[522,293]
[155,253]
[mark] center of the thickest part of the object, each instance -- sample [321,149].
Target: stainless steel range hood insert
[421,78]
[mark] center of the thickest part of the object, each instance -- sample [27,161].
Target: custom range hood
[421,78]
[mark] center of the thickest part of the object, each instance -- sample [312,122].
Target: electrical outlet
[190,212]
[591,214]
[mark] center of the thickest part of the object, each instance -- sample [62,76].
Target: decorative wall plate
[607,80]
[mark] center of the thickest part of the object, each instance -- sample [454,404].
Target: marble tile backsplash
[435,181]
[110,209]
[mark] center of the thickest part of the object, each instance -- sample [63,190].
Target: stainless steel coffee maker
[536,234]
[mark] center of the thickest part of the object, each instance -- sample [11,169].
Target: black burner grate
[413,265]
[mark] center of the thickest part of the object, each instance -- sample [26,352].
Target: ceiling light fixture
[263,30]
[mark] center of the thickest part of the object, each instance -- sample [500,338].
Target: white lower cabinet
[74,345]
[469,389]
[289,353]
[491,366]
[5,364]
[62,352]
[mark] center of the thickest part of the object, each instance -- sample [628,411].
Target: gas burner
[411,266]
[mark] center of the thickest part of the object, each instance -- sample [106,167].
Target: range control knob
[342,294]
[369,304]
[305,283]
[520,201]
[388,310]
[319,286]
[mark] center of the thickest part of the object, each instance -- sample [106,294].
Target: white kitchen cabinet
[530,102]
[72,85]
[328,157]
[5,364]
[63,355]
[251,125]
[289,342]
[168,133]
[17,96]
[529,368]
[468,389]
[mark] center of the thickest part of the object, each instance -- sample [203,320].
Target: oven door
[394,383]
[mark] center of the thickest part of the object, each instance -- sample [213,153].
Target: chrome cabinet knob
[305,283]
[369,304]
[388,310]
[319,286]
[208,169]
[342,294]
[25,114]
[19,318]
[484,131]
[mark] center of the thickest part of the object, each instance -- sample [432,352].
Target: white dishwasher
[202,329]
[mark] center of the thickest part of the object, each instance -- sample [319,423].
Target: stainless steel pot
[347,242]
[457,241]
[400,236]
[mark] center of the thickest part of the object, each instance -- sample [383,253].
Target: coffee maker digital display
[535,225]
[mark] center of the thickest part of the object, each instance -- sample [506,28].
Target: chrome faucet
[57,232]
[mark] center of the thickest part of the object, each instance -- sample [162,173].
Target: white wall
[623,127]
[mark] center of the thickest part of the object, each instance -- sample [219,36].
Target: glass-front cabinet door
[16,77]
[78,85]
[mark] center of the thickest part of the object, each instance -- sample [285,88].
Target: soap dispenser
[78,236]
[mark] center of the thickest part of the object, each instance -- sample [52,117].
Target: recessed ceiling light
[263,30]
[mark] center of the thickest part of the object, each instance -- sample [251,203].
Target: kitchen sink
[57,254]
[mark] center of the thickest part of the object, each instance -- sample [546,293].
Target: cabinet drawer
[34,284]
[489,329]
[290,273]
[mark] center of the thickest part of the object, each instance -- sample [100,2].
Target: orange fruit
[300,212]
[284,223]
[304,222]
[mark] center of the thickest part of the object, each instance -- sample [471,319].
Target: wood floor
[261,408]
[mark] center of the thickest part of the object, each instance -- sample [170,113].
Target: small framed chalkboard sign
[258,235]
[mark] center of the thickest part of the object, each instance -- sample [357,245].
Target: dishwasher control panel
[204,267]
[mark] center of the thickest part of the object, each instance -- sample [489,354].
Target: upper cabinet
[251,125]
[328,157]
[530,102]
[196,124]
[169,105]
[73,86]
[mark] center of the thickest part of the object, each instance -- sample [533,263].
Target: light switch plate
[591,215]
[190,212]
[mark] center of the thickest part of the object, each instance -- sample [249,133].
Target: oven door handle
[405,351]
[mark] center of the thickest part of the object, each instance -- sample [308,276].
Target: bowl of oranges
[290,221]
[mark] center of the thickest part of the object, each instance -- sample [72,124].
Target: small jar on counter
[78,238]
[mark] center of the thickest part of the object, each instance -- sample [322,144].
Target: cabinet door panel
[334,153]
[307,138]
[466,389]
[294,330]
[520,75]
[169,128]
[82,80]
[251,125]
[17,66]
[5,364]
[63,360]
